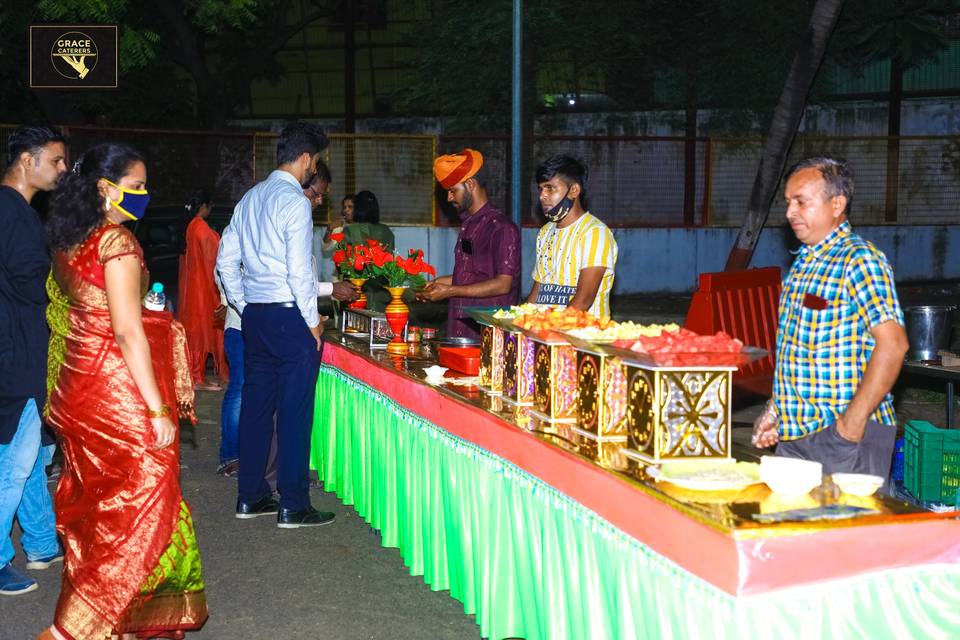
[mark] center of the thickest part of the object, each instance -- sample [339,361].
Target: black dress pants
[281,363]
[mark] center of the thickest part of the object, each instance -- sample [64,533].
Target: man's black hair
[568,169]
[298,138]
[31,139]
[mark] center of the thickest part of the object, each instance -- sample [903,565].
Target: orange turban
[455,168]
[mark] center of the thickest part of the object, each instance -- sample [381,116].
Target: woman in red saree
[199,297]
[132,567]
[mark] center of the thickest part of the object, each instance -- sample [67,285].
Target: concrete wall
[653,260]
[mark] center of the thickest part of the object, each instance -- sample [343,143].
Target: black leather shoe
[265,506]
[309,517]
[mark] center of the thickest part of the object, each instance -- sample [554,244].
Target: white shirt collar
[286,176]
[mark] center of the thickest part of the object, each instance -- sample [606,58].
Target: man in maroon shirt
[486,270]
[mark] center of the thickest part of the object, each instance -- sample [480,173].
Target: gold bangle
[162,412]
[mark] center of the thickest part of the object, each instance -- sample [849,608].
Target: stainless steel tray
[484,315]
[455,341]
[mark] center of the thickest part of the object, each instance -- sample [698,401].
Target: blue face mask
[132,203]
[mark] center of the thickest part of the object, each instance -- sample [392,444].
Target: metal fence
[634,181]
[906,180]
[398,169]
[641,181]
[179,163]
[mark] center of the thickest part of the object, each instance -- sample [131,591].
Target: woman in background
[199,309]
[132,567]
[328,271]
[366,225]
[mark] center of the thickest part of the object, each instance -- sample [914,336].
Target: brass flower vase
[361,301]
[397,313]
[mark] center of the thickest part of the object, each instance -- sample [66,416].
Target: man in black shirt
[35,160]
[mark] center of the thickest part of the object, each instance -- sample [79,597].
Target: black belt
[281,305]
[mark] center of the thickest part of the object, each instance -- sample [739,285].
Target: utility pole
[783,128]
[516,133]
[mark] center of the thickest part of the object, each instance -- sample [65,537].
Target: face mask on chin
[132,203]
[561,209]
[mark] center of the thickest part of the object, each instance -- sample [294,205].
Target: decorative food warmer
[491,359]
[518,358]
[554,378]
[602,408]
[492,341]
[677,411]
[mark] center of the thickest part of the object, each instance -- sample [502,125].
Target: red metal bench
[744,305]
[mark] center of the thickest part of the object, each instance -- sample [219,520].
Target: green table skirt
[529,562]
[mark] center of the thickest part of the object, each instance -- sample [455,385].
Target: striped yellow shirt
[563,253]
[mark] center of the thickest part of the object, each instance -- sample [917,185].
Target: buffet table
[545,534]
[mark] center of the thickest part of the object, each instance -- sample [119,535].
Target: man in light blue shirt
[276,295]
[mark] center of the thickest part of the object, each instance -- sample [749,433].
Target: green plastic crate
[931,462]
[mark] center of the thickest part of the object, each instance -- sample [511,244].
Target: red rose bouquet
[350,260]
[373,261]
[397,271]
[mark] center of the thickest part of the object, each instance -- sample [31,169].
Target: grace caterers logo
[73,56]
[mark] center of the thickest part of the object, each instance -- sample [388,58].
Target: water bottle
[156,299]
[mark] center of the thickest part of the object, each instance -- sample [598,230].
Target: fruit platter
[684,348]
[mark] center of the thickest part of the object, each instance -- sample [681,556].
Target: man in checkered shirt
[840,341]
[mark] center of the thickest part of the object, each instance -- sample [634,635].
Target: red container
[462,359]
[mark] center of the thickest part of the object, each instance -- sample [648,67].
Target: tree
[17,104]
[908,30]
[904,32]
[220,45]
[660,55]
[724,56]
[462,66]
[783,128]
[462,62]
